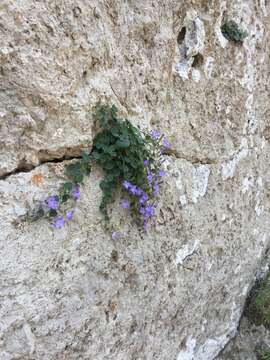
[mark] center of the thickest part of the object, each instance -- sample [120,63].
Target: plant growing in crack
[258,305]
[128,157]
[59,208]
[263,352]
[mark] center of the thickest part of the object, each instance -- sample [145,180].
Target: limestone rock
[178,291]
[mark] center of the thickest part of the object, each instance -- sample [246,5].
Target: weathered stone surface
[178,291]
[249,339]
[252,335]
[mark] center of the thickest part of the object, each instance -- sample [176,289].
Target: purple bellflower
[161,173]
[127,185]
[125,204]
[76,192]
[52,202]
[58,222]
[155,134]
[156,189]
[143,198]
[70,214]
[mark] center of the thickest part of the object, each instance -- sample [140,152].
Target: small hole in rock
[77,11]
[114,255]
[198,61]
[181,35]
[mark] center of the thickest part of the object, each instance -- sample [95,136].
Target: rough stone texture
[243,347]
[177,292]
[249,337]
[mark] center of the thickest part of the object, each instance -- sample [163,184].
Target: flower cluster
[52,206]
[59,209]
[144,201]
[59,219]
[144,198]
[127,156]
[158,137]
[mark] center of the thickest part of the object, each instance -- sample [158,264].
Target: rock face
[178,291]
[249,340]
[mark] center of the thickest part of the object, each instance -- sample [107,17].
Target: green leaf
[96,155]
[116,172]
[74,172]
[109,179]
[64,198]
[109,150]
[67,186]
[85,157]
[120,149]
[109,165]
[123,143]
[86,168]
[115,131]
[36,214]
[52,213]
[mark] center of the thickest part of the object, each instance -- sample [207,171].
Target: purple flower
[115,235]
[166,144]
[142,211]
[156,189]
[161,173]
[155,134]
[52,202]
[145,225]
[125,204]
[76,192]
[70,214]
[146,162]
[127,185]
[133,190]
[138,192]
[143,198]
[150,177]
[149,211]
[58,222]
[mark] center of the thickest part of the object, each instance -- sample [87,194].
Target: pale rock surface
[177,292]
[247,341]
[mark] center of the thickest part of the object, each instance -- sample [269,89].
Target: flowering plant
[132,157]
[127,156]
[60,208]
[143,198]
